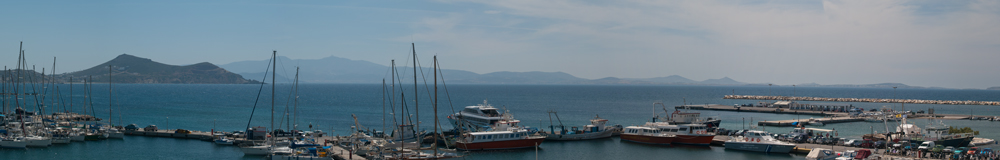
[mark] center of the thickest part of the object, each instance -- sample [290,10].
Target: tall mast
[416,99]
[109,97]
[52,82]
[71,92]
[435,106]
[295,110]
[383,105]
[274,57]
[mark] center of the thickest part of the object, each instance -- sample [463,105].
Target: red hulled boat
[647,135]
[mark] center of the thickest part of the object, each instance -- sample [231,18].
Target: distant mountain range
[131,69]
[340,70]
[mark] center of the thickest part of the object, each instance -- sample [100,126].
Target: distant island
[993,88]
[131,69]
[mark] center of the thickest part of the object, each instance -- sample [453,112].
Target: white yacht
[758,141]
[475,118]
[11,142]
[38,141]
[115,133]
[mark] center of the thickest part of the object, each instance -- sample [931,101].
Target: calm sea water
[329,107]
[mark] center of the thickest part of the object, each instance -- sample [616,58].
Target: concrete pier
[827,120]
[871,100]
[759,109]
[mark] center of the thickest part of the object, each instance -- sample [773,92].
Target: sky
[930,43]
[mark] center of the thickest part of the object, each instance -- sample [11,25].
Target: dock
[759,109]
[870,100]
[339,153]
[829,120]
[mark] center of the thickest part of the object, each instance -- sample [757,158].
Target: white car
[849,142]
[926,145]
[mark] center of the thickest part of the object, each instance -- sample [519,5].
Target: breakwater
[872,100]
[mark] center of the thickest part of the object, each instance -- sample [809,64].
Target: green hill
[131,69]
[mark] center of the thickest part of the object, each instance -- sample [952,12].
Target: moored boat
[758,141]
[11,142]
[505,134]
[475,118]
[648,135]
[597,129]
[691,134]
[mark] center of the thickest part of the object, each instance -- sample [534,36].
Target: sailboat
[269,148]
[112,131]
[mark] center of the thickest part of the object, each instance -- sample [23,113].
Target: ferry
[476,118]
[648,135]
[505,134]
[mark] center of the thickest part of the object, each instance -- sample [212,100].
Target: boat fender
[745,139]
[758,140]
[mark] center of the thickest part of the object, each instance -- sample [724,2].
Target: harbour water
[329,107]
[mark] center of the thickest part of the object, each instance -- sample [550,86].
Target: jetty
[827,120]
[759,109]
[870,100]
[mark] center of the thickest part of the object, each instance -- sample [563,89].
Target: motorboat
[476,118]
[758,141]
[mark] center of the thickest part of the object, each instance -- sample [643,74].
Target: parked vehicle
[131,127]
[182,131]
[937,148]
[151,128]
[948,149]
[849,142]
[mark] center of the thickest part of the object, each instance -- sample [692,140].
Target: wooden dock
[759,109]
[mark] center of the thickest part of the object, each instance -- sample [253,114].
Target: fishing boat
[595,130]
[648,135]
[505,134]
[475,118]
[758,141]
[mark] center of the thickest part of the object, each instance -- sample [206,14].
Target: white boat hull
[256,150]
[297,157]
[78,138]
[60,140]
[118,135]
[263,150]
[760,147]
[13,144]
[39,142]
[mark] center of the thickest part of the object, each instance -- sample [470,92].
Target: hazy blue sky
[924,43]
